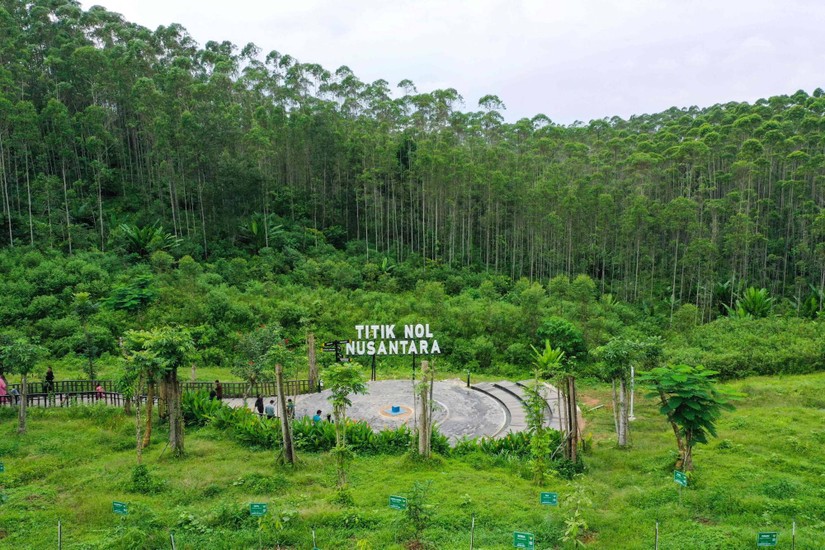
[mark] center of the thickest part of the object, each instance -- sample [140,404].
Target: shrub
[198,409]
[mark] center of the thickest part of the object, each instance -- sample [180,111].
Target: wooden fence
[64,393]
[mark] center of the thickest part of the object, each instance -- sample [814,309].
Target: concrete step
[512,403]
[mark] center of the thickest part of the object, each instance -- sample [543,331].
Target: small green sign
[550,498]
[120,508]
[524,540]
[398,503]
[680,478]
[257,509]
[767,539]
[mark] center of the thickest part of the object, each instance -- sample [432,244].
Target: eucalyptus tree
[617,357]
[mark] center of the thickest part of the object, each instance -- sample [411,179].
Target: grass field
[764,471]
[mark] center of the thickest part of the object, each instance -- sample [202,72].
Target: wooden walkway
[65,393]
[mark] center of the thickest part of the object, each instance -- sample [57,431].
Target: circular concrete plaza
[459,411]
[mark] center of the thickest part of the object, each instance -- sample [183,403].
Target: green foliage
[419,511]
[133,295]
[143,482]
[752,303]
[564,336]
[254,360]
[198,409]
[18,355]
[691,400]
[143,241]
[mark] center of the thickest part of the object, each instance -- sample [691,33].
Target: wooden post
[289,452]
[313,366]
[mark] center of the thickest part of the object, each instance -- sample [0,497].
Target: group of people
[269,409]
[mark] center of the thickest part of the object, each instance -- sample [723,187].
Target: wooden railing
[64,399]
[63,393]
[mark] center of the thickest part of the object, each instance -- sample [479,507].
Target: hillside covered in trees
[110,131]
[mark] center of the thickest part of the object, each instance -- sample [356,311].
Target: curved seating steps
[511,396]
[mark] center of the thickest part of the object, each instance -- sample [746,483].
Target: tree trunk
[687,455]
[138,442]
[163,400]
[150,403]
[622,413]
[289,451]
[573,420]
[679,441]
[424,441]
[21,412]
[615,408]
[173,409]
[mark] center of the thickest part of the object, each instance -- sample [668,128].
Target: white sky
[570,60]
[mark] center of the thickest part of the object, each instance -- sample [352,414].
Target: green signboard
[398,503]
[680,478]
[524,540]
[767,539]
[257,509]
[120,508]
[550,498]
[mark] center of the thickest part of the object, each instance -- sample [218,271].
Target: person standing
[317,417]
[290,409]
[218,390]
[270,409]
[4,387]
[259,405]
[49,386]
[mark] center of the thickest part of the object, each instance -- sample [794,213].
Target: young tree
[84,307]
[546,363]
[130,385]
[148,369]
[692,403]
[18,355]
[343,380]
[251,362]
[169,348]
[617,356]
[565,336]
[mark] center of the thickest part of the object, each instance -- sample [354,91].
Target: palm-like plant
[752,303]
[147,239]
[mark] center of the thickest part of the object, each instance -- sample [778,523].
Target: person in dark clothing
[259,405]
[49,386]
[212,395]
[218,390]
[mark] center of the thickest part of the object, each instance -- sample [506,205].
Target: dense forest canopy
[110,131]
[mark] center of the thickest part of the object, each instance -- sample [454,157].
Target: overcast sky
[570,60]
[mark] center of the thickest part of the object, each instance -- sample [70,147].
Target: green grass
[764,470]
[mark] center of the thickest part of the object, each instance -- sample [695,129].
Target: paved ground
[487,409]
[459,411]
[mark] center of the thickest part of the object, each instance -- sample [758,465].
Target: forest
[172,210]
[106,125]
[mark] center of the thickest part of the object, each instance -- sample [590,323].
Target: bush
[142,481]
[198,409]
